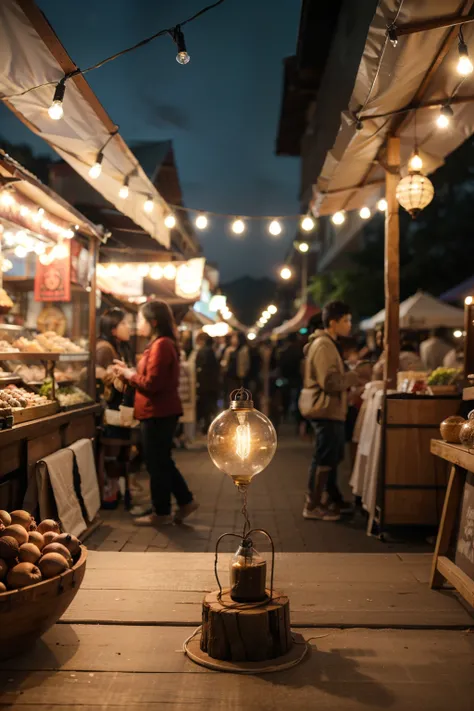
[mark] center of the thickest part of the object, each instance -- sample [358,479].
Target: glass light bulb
[338,218]
[113,270]
[468,300]
[156,272]
[457,334]
[95,170]
[307,224]
[303,247]
[416,162]
[56,110]
[242,443]
[464,65]
[266,314]
[6,265]
[148,205]
[252,336]
[46,259]
[201,222]
[442,121]
[272,309]
[7,199]
[143,270]
[40,248]
[274,228]
[169,272]
[285,273]
[183,58]
[364,213]
[123,192]
[20,251]
[60,251]
[170,221]
[382,205]
[238,227]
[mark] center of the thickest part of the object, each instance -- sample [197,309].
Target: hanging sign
[53,281]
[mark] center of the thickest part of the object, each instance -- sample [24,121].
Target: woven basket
[28,613]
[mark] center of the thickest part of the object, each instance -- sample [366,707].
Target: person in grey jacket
[326,382]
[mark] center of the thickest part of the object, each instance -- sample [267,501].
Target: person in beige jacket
[324,402]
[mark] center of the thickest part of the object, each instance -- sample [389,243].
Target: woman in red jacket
[158,407]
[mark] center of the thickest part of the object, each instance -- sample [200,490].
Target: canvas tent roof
[299,320]
[421,311]
[460,291]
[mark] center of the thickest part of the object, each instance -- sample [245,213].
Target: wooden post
[93,249]
[468,337]
[392,265]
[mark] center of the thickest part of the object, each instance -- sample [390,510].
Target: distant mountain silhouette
[248,297]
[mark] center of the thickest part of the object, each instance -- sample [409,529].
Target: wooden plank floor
[91,667]
[325,589]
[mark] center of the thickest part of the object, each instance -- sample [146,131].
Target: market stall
[47,328]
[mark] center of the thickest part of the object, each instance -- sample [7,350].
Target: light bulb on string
[169,272]
[7,265]
[382,205]
[7,198]
[286,273]
[201,222]
[416,162]
[40,248]
[238,226]
[464,66]
[24,211]
[38,215]
[148,205]
[307,223]
[113,270]
[143,270]
[272,309]
[156,272]
[338,218]
[20,251]
[60,251]
[178,38]
[96,169]
[170,221]
[303,247]
[252,336]
[46,258]
[123,192]
[274,228]
[444,117]
[56,111]
[365,213]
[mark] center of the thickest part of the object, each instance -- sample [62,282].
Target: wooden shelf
[41,357]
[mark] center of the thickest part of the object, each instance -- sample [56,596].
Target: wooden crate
[34,413]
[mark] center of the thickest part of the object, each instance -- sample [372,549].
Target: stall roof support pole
[392,265]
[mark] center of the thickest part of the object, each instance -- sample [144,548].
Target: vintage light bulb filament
[242,437]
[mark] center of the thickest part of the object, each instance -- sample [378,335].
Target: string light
[238,226]
[60,251]
[444,117]
[178,38]
[272,309]
[123,192]
[274,228]
[38,215]
[170,221]
[307,223]
[303,247]
[6,265]
[96,169]
[468,300]
[286,273]
[40,248]
[382,205]
[464,63]
[156,272]
[46,258]
[143,270]
[24,211]
[201,222]
[113,270]
[365,213]
[252,336]
[20,251]
[416,162]
[56,111]
[338,218]
[169,272]
[7,198]
[148,205]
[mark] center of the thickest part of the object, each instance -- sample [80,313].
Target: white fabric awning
[420,69]
[421,311]
[31,55]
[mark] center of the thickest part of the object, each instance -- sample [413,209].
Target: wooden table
[119,646]
[443,568]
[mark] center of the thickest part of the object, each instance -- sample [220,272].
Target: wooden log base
[296,655]
[238,632]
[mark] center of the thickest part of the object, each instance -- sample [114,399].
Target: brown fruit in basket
[16,531]
[8,547]
[22,575]
[22,518]
[29,553]
[52,564]
[3,588]
[48,525]
[49,537]
[37,538]
[5,518]
[72,543]
[3,568]
[56,547]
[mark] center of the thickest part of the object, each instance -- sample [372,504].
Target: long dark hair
[160,317]
[109,320]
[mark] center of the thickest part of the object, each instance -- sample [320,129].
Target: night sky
[221,110]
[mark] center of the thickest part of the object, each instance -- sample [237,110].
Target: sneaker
[319,513]
[141,510]
[185,511]
[153,520]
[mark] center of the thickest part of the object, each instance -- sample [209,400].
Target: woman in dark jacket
[158,407]
[207,380]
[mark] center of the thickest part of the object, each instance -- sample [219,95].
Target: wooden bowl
[28,613]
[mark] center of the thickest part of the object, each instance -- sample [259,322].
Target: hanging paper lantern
[415,192]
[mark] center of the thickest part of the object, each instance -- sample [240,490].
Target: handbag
[123,417]
[312,401]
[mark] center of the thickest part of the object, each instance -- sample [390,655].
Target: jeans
[165,477]
[328,452]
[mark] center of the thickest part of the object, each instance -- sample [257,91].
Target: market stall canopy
[40,59]
[421,311]
[459,292]
[418,73]
[299,320]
